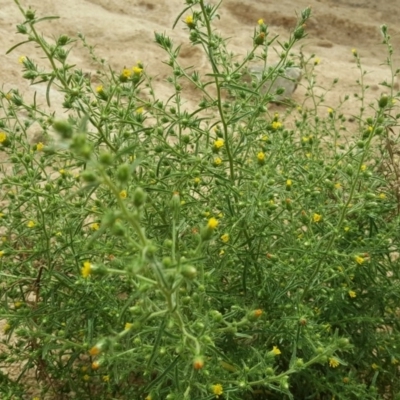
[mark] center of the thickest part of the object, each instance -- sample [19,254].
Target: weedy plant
[152,251]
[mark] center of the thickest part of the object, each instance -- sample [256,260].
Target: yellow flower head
[94,351]
[261,156]
[3,137]
[375,366]
[333,362]
[354,51]
[1,253]
[100,89]
[316,61]
[225,237]
[189,20]
[86,378]
[137,70]
[95,226]
[289,182]
[21,59]
[126,73]
[218,144]
[217,390]
[106,378]
[276,125]
[31,224]
[317,217]
[352,294]
[330,110]
[212,223]
[95,365]
[128,326]
[39,146]
[260,21]
[363,168]
[217,161]
[359,260]
[276,351]
[86,269]
[123,194]
[257,314]
[197,180]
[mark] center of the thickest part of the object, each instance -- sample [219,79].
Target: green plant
[153,251]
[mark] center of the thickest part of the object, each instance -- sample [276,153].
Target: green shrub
[151,251]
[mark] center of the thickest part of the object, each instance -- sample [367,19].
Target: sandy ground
[123,33]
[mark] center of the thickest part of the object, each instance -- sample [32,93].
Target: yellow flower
[394,361]
[261,156]
[197,180]
[316,61]
[217,161]
[139,110]
[382,196]
[86,377]
[352,294]
[289,182]
[18,304]
[218,144]
[123,194]
[39,146]
[257,314]
[330,110]
[189,20]
[222,252]
[86,269]
[21,59]
[1,253]
[100,89]
[128,326]
[36,398]
[217,390]
[126,73]
[317,217]
[6,328]
[62,171]
[212,223]
[333,362]
[260,21]
[31,224]
[354,51]
[106,378]
[3,137]
[94,351]
[359,260]
[225,237]
[95,365]
[137,70]
[95,226]
[375,366]
[276,351]
[338,185]
[363,168]
[148,398]
[346,228]
[276,125]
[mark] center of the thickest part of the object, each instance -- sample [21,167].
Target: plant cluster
[151,251]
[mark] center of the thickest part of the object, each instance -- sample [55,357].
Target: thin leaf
[180,15]
[48,90]
[17,45]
